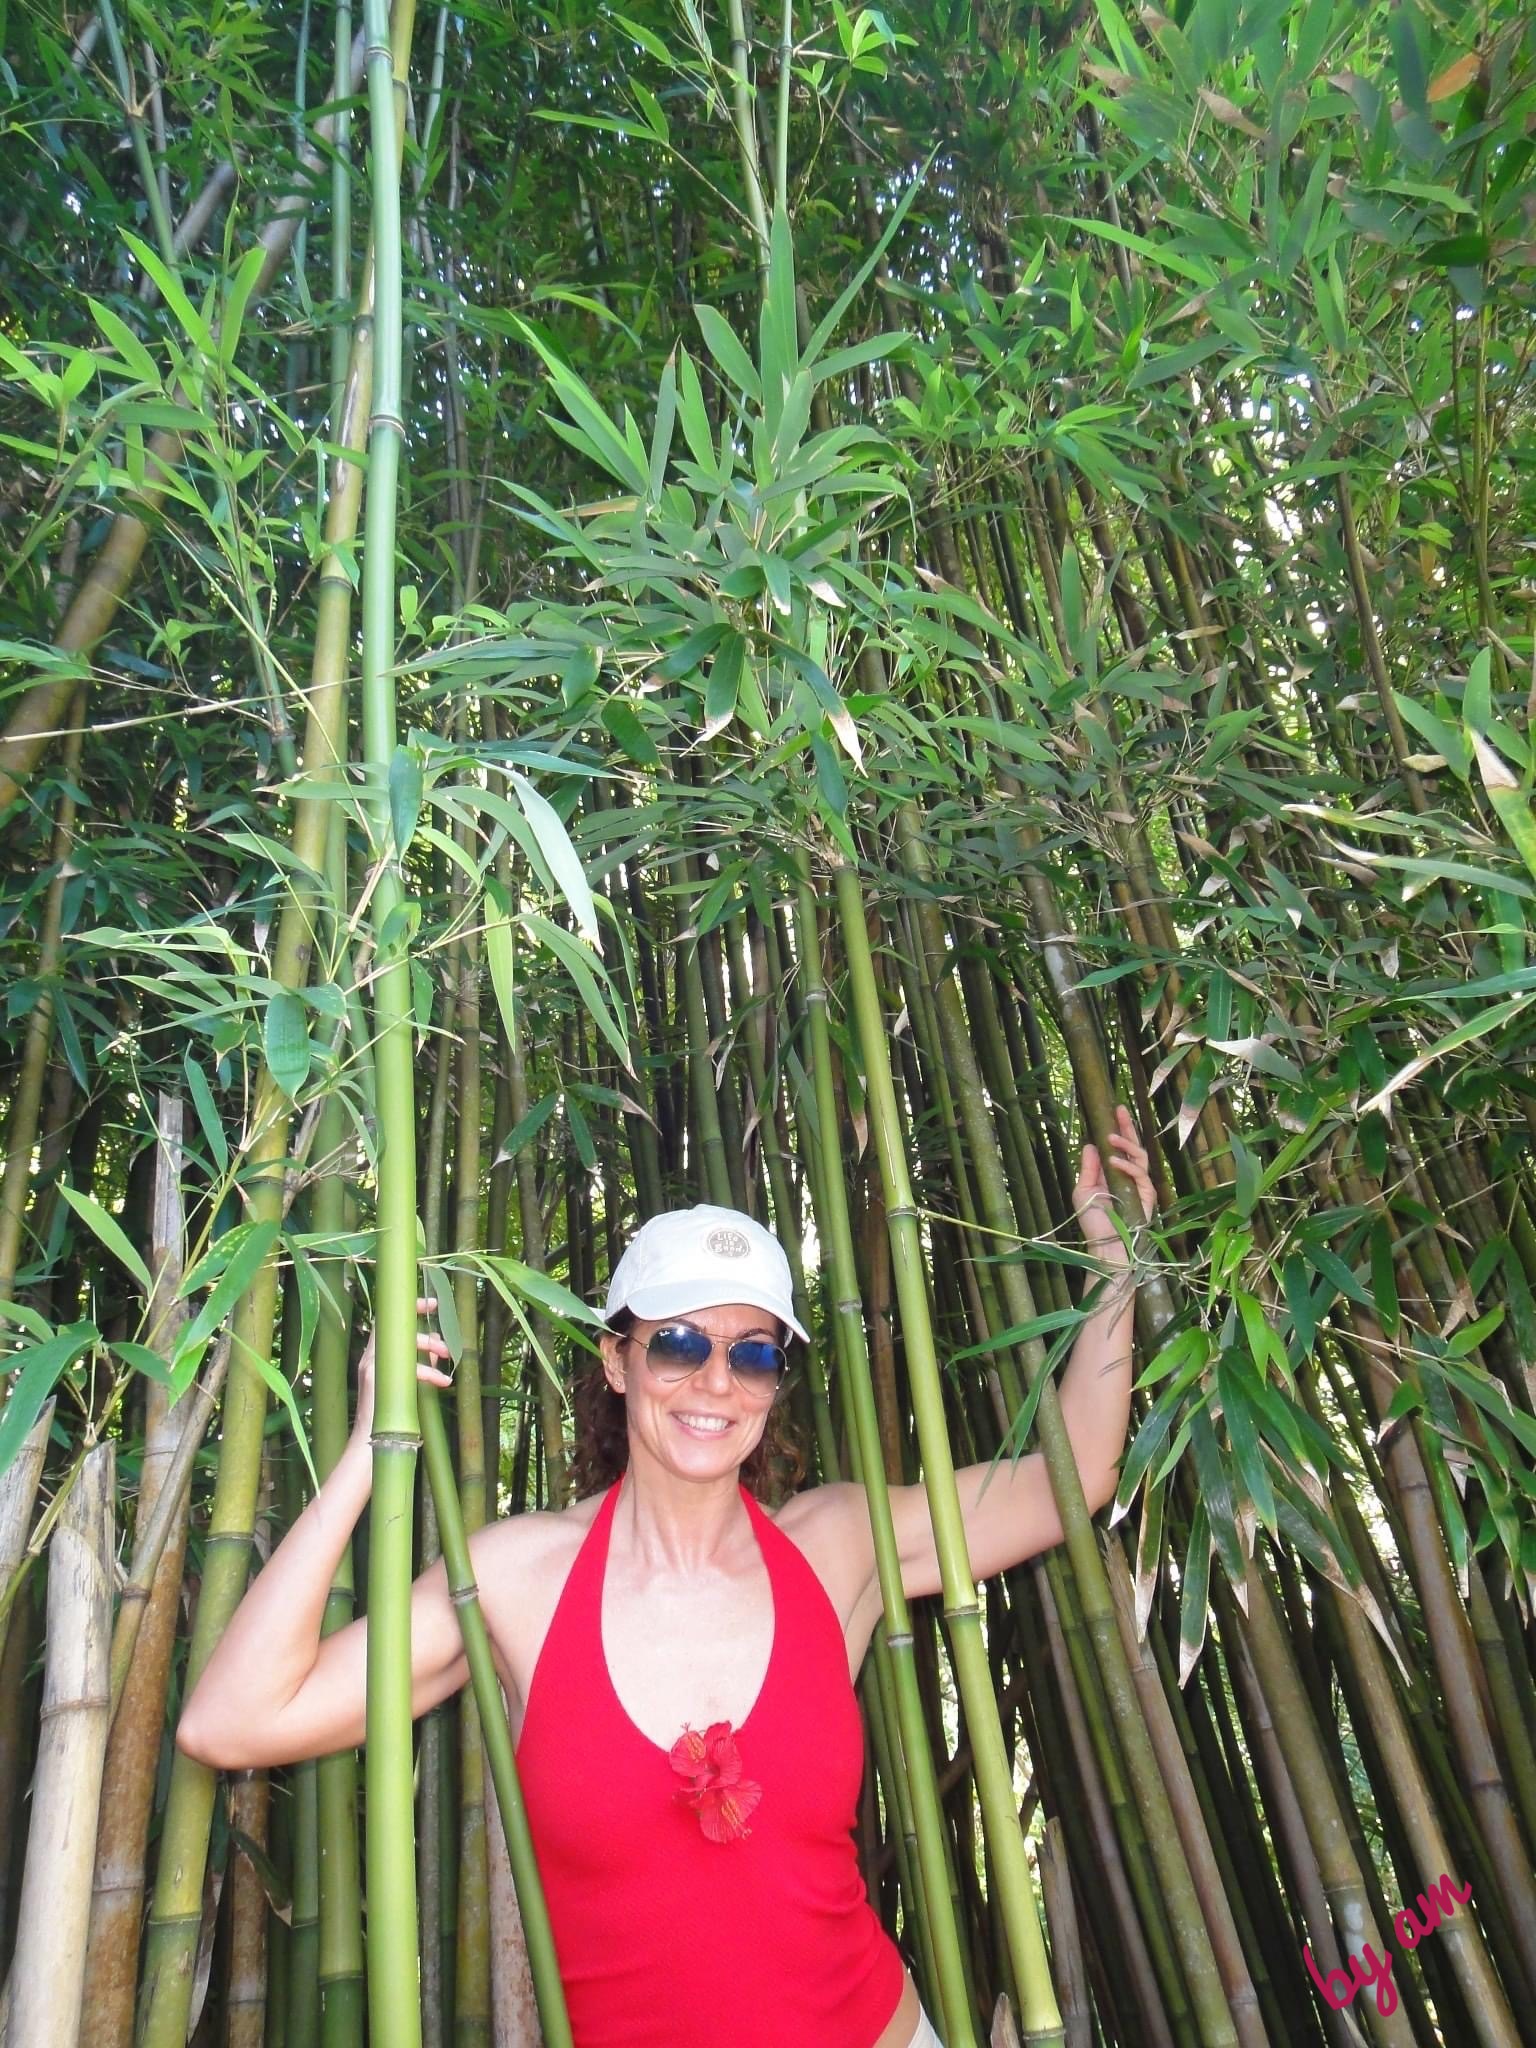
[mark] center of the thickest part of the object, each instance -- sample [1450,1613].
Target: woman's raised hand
[1093,1199]
[430,1346]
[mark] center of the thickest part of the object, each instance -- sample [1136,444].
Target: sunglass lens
[756,1359]
[676,1350]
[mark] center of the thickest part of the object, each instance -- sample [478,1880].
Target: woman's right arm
[275,1691]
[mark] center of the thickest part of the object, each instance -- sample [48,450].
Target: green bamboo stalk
[533,1253]
[472,1981]
[436,1824]
[711,1167]
[848,1333]
[31,726]
[177,1913]
[154,197]
[1041,2018]
[393,1996]
[301,2006]
[339,1929]
[1097,1750]
[1220,1987]
[341,211]
[727,1094]
[493,1720]
[1064,1751]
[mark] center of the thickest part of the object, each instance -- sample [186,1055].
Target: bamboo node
[466,1596]
[86,1703]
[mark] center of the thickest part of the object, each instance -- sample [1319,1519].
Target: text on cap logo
[727,1244]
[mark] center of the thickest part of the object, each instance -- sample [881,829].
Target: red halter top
[666,1938]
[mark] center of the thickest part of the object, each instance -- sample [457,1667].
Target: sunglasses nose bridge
[716,1372]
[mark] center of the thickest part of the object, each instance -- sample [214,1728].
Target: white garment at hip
[925,2037]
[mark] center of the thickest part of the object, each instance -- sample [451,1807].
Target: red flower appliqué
[716,1790]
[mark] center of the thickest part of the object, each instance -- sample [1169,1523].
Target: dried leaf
[1455,77]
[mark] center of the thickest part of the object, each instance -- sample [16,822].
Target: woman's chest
[686,1650]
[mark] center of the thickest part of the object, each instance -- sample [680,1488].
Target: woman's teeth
[714,1424]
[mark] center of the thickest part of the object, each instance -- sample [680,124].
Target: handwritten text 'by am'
[1368,1968]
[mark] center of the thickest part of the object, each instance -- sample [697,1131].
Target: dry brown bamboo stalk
[133,1749]
[193,1414]
[250,1801]
[1348,1891]
[42,1994]
[1066,1950]
[1462,1940]
[1288,1828]
[1462,1681]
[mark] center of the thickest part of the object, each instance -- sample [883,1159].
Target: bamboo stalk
[493,1720]
[41,2005]
[1219,1983]
[1041,2018]
[30,727]
[393,1996]
[18,1496]
[849,1336]
[1120,1876]
[27,1096]
[246,1991]
[137,1711]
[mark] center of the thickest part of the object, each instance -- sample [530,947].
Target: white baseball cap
[702,1257]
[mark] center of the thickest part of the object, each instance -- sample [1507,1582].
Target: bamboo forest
[781,606]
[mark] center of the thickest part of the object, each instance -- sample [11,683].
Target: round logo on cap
[727,1244]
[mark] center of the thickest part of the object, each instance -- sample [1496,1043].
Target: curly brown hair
[772,1470]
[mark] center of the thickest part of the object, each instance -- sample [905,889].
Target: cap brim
[679,1299]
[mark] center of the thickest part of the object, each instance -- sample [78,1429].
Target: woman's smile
[705,1425]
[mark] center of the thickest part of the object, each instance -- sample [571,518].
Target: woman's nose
[717,1369]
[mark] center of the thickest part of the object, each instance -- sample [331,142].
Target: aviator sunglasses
[678,1349]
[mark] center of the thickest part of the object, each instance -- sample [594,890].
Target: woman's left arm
[1009,1510]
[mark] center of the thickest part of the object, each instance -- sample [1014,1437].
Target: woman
[677,1661]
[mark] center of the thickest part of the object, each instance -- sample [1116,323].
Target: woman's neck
[678,1524]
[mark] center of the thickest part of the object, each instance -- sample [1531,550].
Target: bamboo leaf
[584,972]
[405,788]
[564,863]
[237,1257]
[285,1040]
[110,1232]
[721,341]
[37,1370]
[1194,1595]
[207,1113]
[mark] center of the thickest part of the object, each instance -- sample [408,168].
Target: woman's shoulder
[538,1537]
[521,1564]
[829,1526]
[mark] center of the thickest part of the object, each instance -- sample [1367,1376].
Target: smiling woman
[775,1464]
[677,1656]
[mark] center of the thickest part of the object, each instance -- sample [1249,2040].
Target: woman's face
[707,1424]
